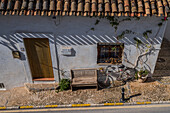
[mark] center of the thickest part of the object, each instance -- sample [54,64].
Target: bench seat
[84,80]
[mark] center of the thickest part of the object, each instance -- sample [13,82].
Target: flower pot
[140,80]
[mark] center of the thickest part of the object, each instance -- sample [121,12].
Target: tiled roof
[85,7]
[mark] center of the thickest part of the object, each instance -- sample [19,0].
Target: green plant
[97,22]
[64,84]
[160,24]
[145,34]
[113,22]
[143,73]
[127,19]
[137,18]
[92,29]
[122,46]
[136,75]
[113,48]
[123,33]
[138,42]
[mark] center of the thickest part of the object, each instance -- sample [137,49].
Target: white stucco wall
[73,32]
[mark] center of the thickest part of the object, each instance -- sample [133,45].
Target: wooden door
[39,57]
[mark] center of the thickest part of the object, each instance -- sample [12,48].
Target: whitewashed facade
[74,32]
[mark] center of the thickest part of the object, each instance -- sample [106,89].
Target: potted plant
[142,75]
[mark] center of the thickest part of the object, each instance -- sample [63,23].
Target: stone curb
[83,105]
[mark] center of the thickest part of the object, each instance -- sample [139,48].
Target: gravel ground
[151,91]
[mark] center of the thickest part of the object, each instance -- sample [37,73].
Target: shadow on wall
[94,39]
[142,58]
[12,41]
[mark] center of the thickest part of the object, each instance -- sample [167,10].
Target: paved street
[159,108]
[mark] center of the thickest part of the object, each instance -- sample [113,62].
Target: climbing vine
[143,47]
[123,33]
[145,34]
[138,42]
[97,22]
[115,22]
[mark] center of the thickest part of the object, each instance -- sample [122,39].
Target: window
[2,87]
[109,53]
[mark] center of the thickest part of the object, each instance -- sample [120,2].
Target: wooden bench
[83,77]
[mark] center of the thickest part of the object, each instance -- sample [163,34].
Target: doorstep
[43,80]
[32,87]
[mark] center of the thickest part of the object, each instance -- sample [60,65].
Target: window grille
[109,53]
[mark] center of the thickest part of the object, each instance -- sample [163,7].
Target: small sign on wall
[66,51]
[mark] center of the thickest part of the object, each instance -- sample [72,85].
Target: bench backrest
[75,73]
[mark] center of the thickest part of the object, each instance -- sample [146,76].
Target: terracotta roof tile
[160,7]
[59,5]
[107,6]
[17,5]
[73,7]
[85,7]
[31,5]
[168,2]
[147,7]
[38,5]
[100,5]
[10,5]
[52,5]
[153,7]
[45,5]
[2,5]
[80,6]
[24,5]
[120,5]
[94,8]
[66,7]
[133,8]
[114,6]
[140,6]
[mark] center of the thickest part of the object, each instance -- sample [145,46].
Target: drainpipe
[57,58]
[56,50]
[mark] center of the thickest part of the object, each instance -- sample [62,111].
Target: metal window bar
[106,53]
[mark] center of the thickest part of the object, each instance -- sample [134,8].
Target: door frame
[53,58]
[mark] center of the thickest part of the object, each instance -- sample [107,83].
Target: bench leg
[71,88]
[97,87]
